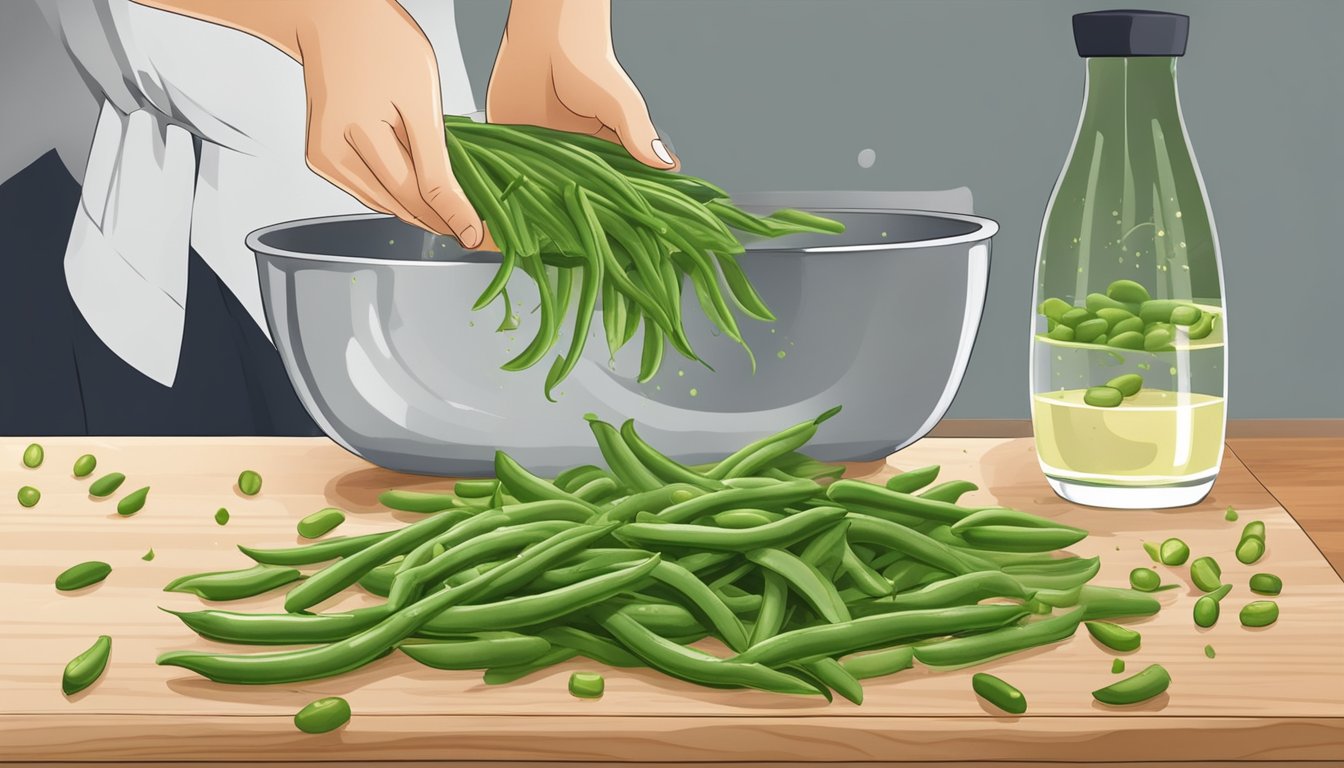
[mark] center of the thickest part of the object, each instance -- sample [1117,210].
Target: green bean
[602,561]
[29,496]
[959,590]
[1266,584]
[323,715]
[1111,603]
[1054,308]
[472,543]
[148,555]
[833,674]
[592,646]
[1230,515]
[651,359]
[797,465]
[851,493]
[694,665]
[811,221]
[775,495]
[1103,397]
[249,483]
[473,181]
[533,609]
[1088,331]
[320,552]
[586,685]
[106,485]
[665,619]
[32,456]
[1206,574]
[770,618]
[1117,666]
[710,605]
[1174,552]
[1124,340]
[1208,651]
[1021,539]
[1151,549]
[999,693]
[826,552]
[914,479]
[621,459]
[1128,292]
[1144,579]
[359,649]
[950,491]
[872,530]
[574,477]
[1252,545]
[488,650]
[85,465]
[526,486]
[1151,682]
[880,663]
[503,675]
[963,651]
[806,580]
[320,523]
[1069,577]
[781,533]
[1260,613]
[1059,598]
[745,518]
[1206,611]
[221,516]
[234,585]
[663,467]
[347,571]
[880,630]
[869,581]
[417,501]
[85,669]
[1203,327]
[82,575]
[654,501]
[475,489]
[132,502]
[1114,636]
[1158,310]
[280,628]
[594,245]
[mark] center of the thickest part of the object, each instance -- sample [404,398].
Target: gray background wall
[782,94]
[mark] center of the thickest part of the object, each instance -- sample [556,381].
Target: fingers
[623,110]
[391,166]
[343,167]
[435,183]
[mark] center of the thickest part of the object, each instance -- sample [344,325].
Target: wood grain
[1306,475]
[1275,694]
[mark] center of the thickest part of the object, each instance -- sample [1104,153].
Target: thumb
[626,114]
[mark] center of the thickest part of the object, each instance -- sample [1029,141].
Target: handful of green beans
[571,209]
[806,583]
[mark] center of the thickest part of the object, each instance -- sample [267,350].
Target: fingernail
[661,151]
[470,237]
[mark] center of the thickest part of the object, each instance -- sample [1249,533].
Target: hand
[556,68]
[375,114]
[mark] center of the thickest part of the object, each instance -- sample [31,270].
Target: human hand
[375,114]
[556,68]
[375,117]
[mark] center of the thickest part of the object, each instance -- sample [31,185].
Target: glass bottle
[1129,327]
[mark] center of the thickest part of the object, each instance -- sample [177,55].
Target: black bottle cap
[1130,33]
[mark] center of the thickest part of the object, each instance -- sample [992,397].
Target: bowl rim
[985,229]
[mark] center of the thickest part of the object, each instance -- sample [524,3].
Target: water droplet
[391,242]
[1172,371]
[1161,233]
[772,330]
[658,387]
[781,354]
[695,392]
[1121,260]
[1182,243]
[884,234]
[866,158]
[681,373]
[1115,213]
[1186,267]
[471,323]
[1178,214]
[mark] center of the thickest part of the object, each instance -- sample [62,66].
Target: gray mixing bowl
[373,320]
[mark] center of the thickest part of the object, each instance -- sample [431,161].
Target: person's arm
[375,115]
[556,67]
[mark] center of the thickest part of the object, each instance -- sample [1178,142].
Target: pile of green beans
[806,583]
[1125,317]
[566,208]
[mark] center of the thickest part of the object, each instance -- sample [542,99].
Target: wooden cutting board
[1273,694]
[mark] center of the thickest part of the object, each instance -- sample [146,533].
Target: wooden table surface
[1272,696]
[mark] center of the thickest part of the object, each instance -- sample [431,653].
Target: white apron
[200,140]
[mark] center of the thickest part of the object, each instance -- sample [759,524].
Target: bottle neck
[1137,86]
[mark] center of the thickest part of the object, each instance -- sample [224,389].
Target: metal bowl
[373,320]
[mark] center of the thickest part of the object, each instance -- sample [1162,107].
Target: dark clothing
[58,378]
